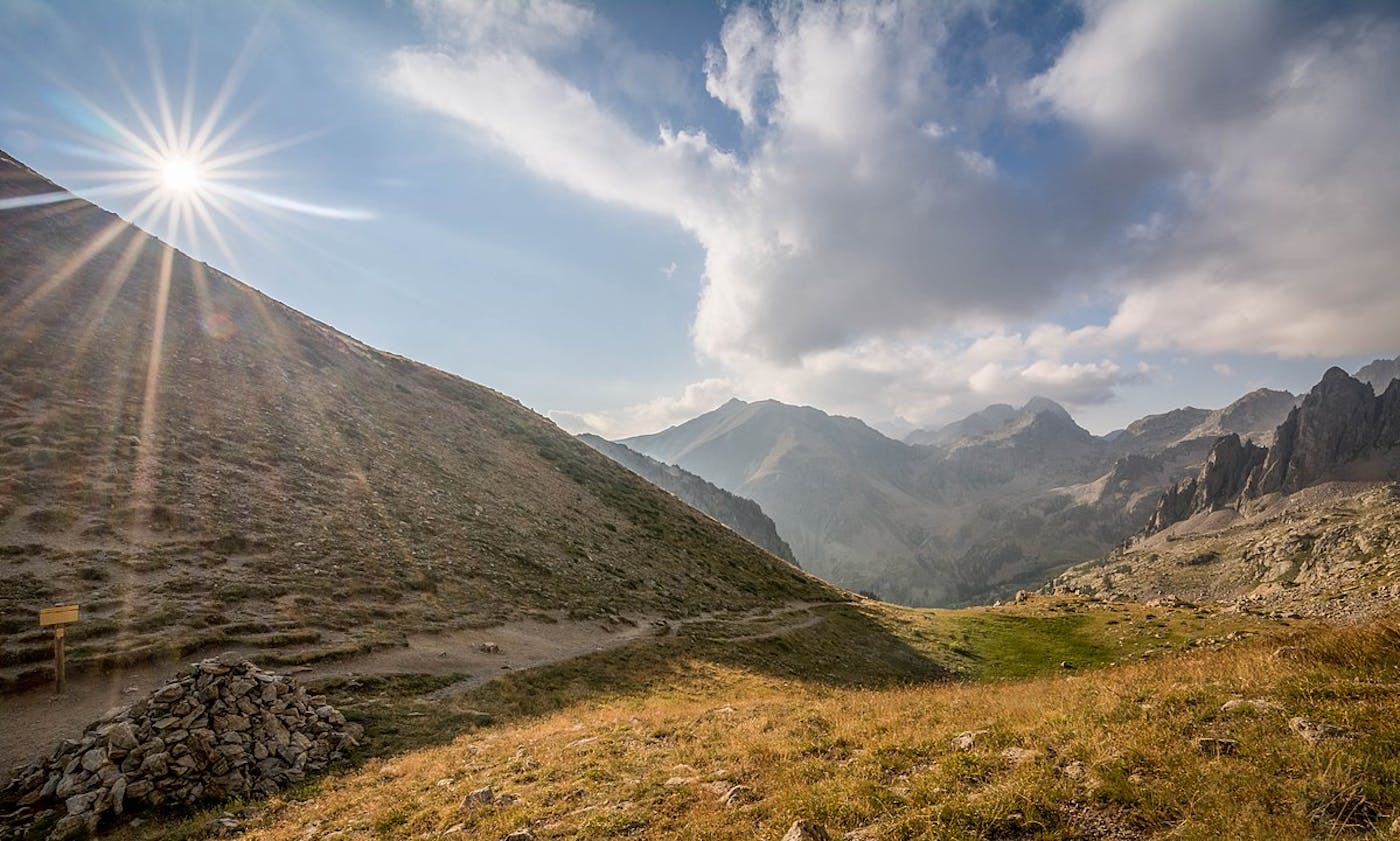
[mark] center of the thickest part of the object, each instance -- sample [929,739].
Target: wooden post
[58,616]
[58,661]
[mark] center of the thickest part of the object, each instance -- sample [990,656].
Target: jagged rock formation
[1337,431]
[221,729]
[743,515]
[1340,421]
[1224,477]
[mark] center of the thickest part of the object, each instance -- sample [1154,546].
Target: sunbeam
[189,168]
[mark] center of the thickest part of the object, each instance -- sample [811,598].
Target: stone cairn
[222,728]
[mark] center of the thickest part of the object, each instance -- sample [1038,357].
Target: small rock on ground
[1313,731]
[967,740]
[802,830]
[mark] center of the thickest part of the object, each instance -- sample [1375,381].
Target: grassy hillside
[198,464]
[821,722]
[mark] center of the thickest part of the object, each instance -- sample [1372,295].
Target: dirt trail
[32,722]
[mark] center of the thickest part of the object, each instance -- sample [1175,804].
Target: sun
[186,174]
[180,176]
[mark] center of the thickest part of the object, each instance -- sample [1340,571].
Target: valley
[999,501]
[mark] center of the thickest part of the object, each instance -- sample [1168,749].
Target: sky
[626,213]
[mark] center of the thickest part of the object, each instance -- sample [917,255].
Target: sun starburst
[190,177]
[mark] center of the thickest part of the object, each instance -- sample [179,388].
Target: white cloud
[651,415]
[737,71]
[1236,189]
[1223,369]
[1281,134]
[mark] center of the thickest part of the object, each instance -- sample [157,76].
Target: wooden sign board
[58,615]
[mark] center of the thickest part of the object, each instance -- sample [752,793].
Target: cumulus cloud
[1281,134]
[1224,175]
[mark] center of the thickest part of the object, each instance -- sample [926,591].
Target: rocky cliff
[1340,422]
[1342,430]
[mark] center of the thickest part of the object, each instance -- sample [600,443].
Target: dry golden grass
[1112,752]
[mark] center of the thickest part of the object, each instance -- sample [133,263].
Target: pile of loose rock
[223,728]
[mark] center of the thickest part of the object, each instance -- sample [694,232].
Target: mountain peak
[1040,405]
[1380,373]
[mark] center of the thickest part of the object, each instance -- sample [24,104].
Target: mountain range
[969,512]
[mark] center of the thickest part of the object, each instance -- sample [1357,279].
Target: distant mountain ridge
[1003,498]
[1380,373]
[743,515]
[999,500]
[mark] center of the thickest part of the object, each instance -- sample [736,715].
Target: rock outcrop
[1222,479]
[1340,421]
[223,728]
[1340,424]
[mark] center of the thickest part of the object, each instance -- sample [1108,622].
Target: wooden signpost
[58,616]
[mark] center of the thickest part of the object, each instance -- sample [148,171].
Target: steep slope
[1342,429]
[197,463]
[743,515]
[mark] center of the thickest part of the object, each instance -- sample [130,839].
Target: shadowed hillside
[196,463]
[742,515]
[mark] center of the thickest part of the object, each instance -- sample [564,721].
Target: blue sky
[625,213]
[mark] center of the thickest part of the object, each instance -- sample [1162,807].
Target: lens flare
[189,172]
